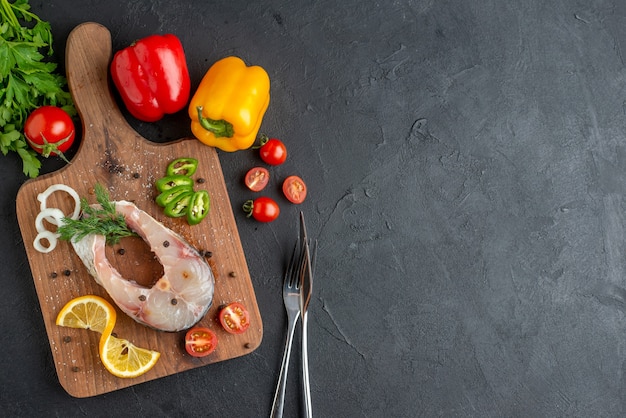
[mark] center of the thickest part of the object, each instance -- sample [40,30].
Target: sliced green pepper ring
[199,207]
[170,182]
[182,167]
[172,194]
[179,206]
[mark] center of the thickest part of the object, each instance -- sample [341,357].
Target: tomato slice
[200,342]
[234,318]
[257,178]
[294,189]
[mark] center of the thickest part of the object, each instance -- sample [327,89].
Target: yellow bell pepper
[228,107]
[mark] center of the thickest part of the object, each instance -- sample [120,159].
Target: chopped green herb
[27,80]
[99,220]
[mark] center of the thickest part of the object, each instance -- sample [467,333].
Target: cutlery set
[297,287]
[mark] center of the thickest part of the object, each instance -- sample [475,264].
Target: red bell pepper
[151,76]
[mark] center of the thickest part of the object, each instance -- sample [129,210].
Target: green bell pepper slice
[179,206]
[172,196]
[182,167]
[171,182]
[199,207]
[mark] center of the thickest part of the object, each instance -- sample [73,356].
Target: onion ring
[52,215]
[48,214]
[51,237]
[43,198]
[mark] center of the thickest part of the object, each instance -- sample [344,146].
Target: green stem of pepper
[219,128]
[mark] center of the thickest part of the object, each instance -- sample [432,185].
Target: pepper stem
[219,128]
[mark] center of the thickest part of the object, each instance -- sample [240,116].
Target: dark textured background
[466,163]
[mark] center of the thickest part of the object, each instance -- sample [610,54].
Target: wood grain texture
[113,154]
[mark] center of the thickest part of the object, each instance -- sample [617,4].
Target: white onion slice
[51,237]
[52,215]
[43,198]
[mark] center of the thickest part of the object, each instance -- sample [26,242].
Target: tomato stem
[248,206]
[47,148]
[262,141]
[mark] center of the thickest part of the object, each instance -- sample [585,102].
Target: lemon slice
[88,312]
[119,356]
[123,359]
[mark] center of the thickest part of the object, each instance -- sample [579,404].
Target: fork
[306,280]
[291,298]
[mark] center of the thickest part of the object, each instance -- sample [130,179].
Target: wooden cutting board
[113,154]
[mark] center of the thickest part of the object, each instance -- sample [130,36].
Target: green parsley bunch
[27,80]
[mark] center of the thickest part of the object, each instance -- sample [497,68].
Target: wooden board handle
[88,56]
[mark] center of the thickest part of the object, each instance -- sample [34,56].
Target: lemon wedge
[119,356]
[123,359]
[88,312]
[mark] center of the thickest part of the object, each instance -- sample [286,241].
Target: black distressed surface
[466,164]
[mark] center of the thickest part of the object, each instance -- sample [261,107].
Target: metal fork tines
[291,298]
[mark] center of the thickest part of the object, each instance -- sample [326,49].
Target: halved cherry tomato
[200,341]
[257,178]
[294,189]
[272,151]
[234,318]
[49,130]
[263,209]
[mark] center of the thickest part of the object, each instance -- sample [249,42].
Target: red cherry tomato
[257,178]
[263,209]
[49,130]
[200,342]
[294,189]
[234,318]
[273,152]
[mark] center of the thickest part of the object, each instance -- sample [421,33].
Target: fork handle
[279,397]
[306,386]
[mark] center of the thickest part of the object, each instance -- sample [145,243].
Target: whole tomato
[49,130]
[263,209]
[273,151]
